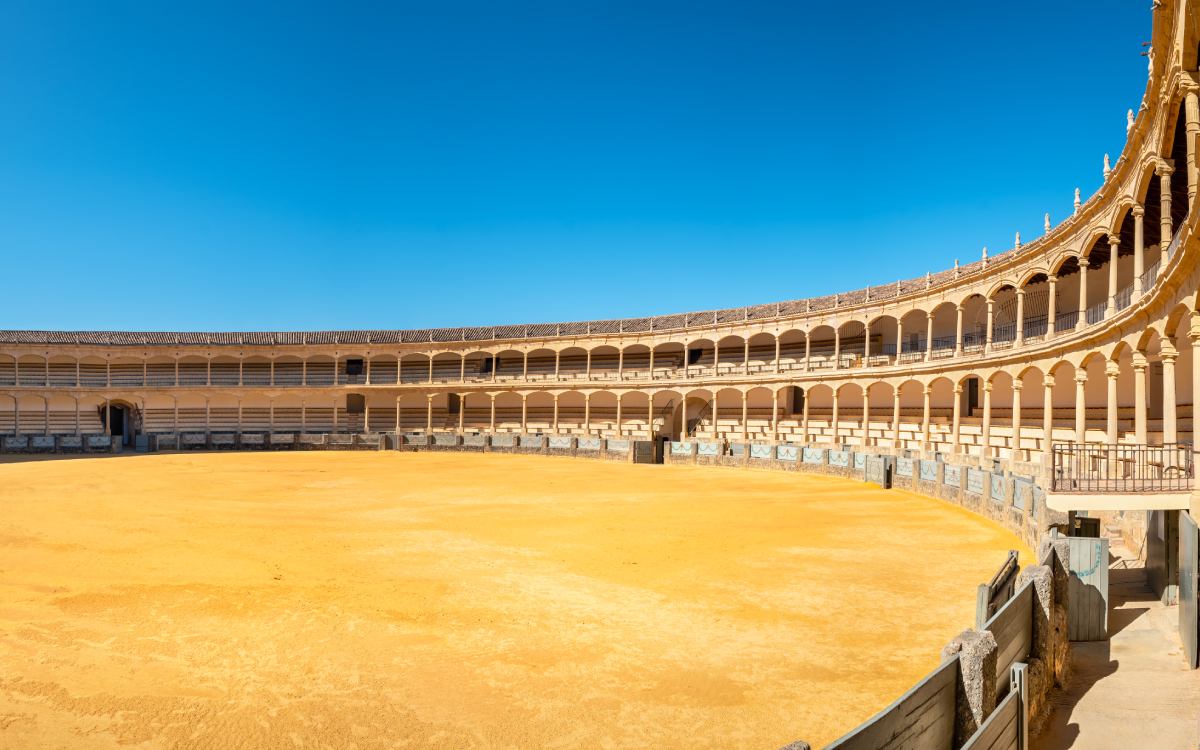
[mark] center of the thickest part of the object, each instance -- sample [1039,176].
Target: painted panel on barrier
[189,438]
[221,438]
[839,458]
[1022,493]
[281,438]
[786,453]
[975,481]
[20,442]
[760,451]
[928,470]
[588,444]
[252,438]
[42,442]
[341,438]
[708,449]
[997,485]
[814,455]
[560,442]
[476,441]
[737,449]
[532,441]
[504,440]
[445,438]
[680,448]
[904,467]
[860,461]
[312,439]
[952,476]
[618,445]
[70,441]
[99,441]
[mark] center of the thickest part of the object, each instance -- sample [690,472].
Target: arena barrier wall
[992,689]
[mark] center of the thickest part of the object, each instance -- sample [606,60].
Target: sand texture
[384,600]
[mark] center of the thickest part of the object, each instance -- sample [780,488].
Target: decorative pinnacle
[985,256]
[1107,167]
[1128,121]
[1017,242]
[1047,222]
[1076,200]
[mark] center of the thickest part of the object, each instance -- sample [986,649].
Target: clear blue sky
[405,165]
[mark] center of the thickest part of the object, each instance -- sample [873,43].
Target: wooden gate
[1189,564]
[1087,605]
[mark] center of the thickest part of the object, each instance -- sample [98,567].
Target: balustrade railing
[1122,468]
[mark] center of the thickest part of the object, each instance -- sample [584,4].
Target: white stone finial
[1076,200]
[1128,121]
[928,279]
[1017,242]
[1107,167]
[985,256]
[1047,222]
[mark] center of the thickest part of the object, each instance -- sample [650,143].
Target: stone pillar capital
[1168,352]
[1018,384]
[1165,168]
[1112,370]
[1048,382]
[958,389]
[1138,210]
[1081,377]
[1139,361]
[1114,240]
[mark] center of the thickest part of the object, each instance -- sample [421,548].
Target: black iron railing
[1104,468]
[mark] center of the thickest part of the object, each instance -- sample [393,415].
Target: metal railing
[1066,321]
[1122,469]
[1124,298]
[1150,275]
[1096,312]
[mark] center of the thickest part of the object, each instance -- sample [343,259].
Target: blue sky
[400,165]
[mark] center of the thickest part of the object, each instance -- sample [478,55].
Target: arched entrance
[121,418]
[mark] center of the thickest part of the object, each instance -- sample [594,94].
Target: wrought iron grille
[1124,469]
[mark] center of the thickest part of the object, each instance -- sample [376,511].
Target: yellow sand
[380,600]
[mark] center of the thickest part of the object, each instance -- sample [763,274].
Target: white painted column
[1191,110]
[837,349]
[928,336]
[462,369]
[991,317]
[1048,417]
[555,424]
[431,355]
[492,419]
[958,330]
[1020,316]
[462,411]
[1081,321]
[927,391]
[429,413]
[896,417]
[1114,243]
[836,419]
[1112,370]
[1051,305]
[954,434]
[397,415]
[745,417]
[867,345]
[1139,251]
[1081,407]
[1164,172]
[866,417]
[774,416]
[77,428]
[778,362]
[1017,387]
[807,353]
[804,415]
[1170,430]
[746,358]
[524,421]
[619,397]
[1139,397]
[986,438]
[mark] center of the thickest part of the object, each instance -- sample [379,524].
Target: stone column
[589,364]
[866,417]
[1020,317]
[397,415]
[774,416]
[836,428]
[804,417]
[1080,407]
[650,416]
[1164,172]
[986,438]
[335,418]
[746,358]
[958,331]
[1191,109]
[651,374]
[1139,251]
[587,413]
[867,345]
[462,369]
[807,352]
[270,416]
[837,348]
[1081,321]
[778,363]
[1114,242]
[621,363]
[428,413]
[555,414]
[896,417]
[1168,354]
[619,397]
[927,391]
[1194,335]
[899,336]
[556,362]
[1018,385]
[1051,305]
[954,440]
[524,365]
[1048,417]
[431,356]
[492,417]
[991,318]
[524,421]
[462,413]
[928,336]
[1112,370]
[745,417]
[716,357]
[1139,397]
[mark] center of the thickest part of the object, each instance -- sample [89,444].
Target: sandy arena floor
[381,600]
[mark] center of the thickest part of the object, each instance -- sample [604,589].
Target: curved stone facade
[1085,335]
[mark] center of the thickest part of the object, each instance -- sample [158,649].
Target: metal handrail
[1122,468]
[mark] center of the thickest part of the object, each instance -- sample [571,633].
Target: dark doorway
[122,422]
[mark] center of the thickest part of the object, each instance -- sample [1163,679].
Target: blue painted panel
[998,487]
[860,461]
[760,451]
[680,448]
[560,442]
[814,455]
[786,453]
[904,467]
[839,458]
[975,481]
[952,476]
[928,470]
[618,445]
[708,449]
[588,444]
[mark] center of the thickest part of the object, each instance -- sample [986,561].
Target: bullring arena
[462,537]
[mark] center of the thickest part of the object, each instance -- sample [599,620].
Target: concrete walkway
[1133,690]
